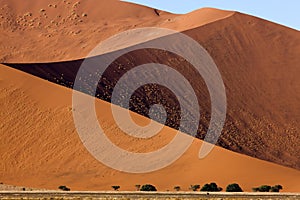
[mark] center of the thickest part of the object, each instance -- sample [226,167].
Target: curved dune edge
[37,28]
[40,147]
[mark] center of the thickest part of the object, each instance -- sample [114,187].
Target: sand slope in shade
[40,147]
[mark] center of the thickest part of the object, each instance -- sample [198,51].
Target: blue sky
[286,12]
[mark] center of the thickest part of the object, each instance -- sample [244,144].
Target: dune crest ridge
[37,28]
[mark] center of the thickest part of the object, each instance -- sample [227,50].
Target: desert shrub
[115,187]
[148,187]
[276,188]
[212,187]
[64,188]
[234,187]
[206,187]
[177,188]
[267,188]
[263,188]
[137,186]
[194,187]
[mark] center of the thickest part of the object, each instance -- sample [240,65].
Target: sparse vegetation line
[148,195]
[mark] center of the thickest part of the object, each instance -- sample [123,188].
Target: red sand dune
[40,147]
[37,36]
[258,61]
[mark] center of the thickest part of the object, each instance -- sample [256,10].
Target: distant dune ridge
[36,28]
[258,61]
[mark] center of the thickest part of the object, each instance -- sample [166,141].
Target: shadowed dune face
[49,153]
[258,63]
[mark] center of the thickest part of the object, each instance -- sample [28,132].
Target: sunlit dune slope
[41,148]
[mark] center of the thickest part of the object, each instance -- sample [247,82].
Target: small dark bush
[177,188]
[212,187]
[148,187]
[276,188]
[194,187]
[115,187]
[263,188]
[64,188]
[206,187]
[234,187]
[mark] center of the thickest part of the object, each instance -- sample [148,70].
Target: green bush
[194,187]
[234,187]
[267,188]
[276,188]
[115,187]
[64,188]
[206,187]
[148,187]
[212,187]
[263,188]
